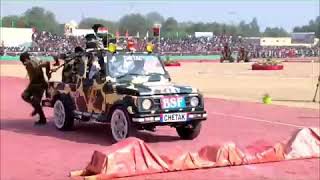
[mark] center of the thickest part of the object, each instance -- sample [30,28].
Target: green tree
[244,28]
[133,23]
[232,30]
[313,26]
[216,28]
[41,19]
[198,27]
[254,28]
[275,32]
[170,27]
[154,17]
[21,23]
[87,23]
[9,21]
[249,30]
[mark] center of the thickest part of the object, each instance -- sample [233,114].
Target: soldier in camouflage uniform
[243,55]
[226,53]
[37,85]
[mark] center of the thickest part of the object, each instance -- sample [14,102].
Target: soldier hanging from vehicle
[37,84]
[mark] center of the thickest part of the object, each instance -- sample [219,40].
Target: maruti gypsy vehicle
[135,92]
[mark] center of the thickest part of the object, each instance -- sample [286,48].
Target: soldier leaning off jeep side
[37,84]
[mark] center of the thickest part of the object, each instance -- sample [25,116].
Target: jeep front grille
[157,103]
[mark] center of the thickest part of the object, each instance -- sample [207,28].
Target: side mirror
[168,76]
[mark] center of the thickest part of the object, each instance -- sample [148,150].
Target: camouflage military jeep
[135,93]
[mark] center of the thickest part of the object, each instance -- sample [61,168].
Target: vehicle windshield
[139,65]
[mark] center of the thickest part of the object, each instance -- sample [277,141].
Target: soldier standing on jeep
[37,85]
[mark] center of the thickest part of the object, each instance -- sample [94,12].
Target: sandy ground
[293,86]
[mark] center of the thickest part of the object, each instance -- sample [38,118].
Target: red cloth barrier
[266,67]
[133,157]
[173,64]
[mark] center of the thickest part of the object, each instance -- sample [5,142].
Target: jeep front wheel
[120,124]
[63,113]
[190,131]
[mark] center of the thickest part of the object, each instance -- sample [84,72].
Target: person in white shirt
[95,68]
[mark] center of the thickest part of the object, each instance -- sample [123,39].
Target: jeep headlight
[146,104]
[194,101]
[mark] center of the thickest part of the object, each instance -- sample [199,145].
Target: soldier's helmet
[91,41]
[24,56]
[78,49]
[95,27]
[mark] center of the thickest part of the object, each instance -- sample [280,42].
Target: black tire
[189,133]
[64,120]
[120,115]
[85,118]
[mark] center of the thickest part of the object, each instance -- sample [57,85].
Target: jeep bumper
[158,118]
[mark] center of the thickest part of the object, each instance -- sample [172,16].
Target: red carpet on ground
[133,157]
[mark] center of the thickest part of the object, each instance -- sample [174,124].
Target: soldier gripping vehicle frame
[131,91]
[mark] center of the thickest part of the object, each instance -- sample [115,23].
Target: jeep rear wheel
[121,126]
[63,113]
[190,131]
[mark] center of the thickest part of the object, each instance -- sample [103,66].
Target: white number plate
[174,117]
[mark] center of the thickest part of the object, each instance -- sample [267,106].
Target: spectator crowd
[47,44]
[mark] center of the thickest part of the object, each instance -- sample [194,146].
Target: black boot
[33,113]
[38,110]
[42,119]
[41,122]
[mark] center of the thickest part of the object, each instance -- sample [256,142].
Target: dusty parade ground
[293,86]
[233,95]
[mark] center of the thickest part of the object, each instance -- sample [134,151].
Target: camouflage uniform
[67,73]
[226,53]
[37,85]
[243,55]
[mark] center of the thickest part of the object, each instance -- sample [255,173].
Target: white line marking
[256,119]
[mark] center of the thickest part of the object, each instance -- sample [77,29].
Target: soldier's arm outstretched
[47,66]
